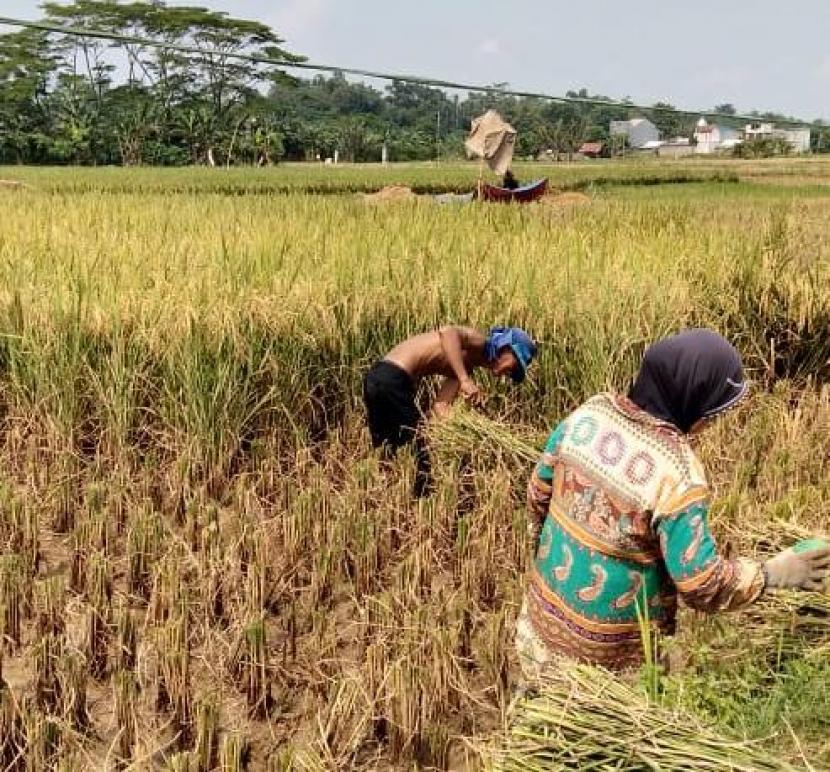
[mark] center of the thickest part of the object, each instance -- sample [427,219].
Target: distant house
[551,155]
[676,148]
[652,145]
[591,149]
[713,138]
[639,131]
[759,131]
[798,139]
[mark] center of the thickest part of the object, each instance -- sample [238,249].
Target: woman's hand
[798,570]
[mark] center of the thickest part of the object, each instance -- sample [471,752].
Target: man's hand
[802,571]
[470,391]
[441,410]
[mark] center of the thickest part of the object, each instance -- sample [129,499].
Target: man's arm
[454,341]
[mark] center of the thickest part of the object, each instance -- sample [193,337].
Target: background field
[202,561]
[422,177]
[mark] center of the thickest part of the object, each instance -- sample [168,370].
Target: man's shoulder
[472,334]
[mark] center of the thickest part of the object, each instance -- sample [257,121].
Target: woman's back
[625,509]
[625,529]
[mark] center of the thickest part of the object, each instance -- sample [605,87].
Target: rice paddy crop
[593,720]
[203,566]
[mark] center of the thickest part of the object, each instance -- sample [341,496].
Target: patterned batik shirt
[625,504]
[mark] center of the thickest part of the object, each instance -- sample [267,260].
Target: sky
[764,55]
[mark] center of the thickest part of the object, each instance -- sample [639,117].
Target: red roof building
[591,149]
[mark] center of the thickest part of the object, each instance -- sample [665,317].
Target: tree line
[83,100]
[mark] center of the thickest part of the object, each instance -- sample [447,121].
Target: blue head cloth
[518,341]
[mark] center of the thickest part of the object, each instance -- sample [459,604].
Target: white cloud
[824,69]
[490,47]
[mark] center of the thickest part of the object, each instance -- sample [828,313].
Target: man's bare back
[451,351]
[424,355]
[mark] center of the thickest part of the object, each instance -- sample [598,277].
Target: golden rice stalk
[63,517]
[91,534]
[590,719]
[19,528]
[95,498]
[170,594]
[467,432]
[250,665]
[99,595]
[12,600]
[48,651]
[181,762]
[73,676]
[69,761]
[125,691]
[44,737]
[799,620]
[293,759]
[213,574]
[144,540]
[192,527]
[174,686]
[126,638]
[235,754]
[207,730]
[12,732]
[346,721]
[50,601]
[404,709]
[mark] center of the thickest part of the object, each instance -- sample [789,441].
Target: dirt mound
[11,185]
[389,194]
[565,200]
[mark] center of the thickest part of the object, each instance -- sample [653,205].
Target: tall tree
[210,85]
[26,65]
[77,98]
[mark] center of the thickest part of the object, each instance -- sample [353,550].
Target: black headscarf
[692,375]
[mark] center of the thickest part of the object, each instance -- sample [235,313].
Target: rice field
[202,564]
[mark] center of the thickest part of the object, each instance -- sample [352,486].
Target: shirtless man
[453,352]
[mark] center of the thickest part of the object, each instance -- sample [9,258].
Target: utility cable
[414,79]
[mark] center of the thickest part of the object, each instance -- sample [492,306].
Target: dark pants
[394,418]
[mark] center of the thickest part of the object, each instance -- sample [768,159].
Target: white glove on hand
[798,570]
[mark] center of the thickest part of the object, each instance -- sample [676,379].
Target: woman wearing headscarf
[622,502]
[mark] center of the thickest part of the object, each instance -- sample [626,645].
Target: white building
[652,145]
[759,131]
[713,138]
[798,139]
[676,148]
[639,131]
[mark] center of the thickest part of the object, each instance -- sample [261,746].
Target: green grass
[424,178]
[309,178]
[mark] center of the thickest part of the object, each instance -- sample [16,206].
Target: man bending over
[389,387]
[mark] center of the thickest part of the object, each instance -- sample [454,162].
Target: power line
[415,79]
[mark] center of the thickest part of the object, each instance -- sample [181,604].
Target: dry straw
[467,432]
[590,719]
